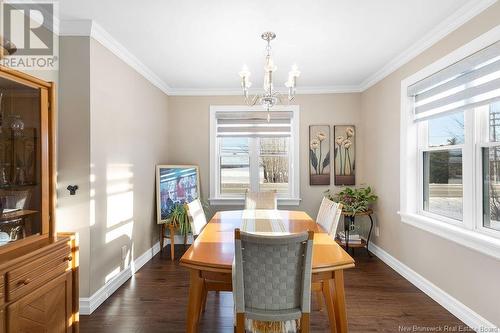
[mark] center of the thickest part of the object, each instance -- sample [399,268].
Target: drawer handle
[24,282]
[68,258]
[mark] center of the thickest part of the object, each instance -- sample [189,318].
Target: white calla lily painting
[344,155]
[319,155]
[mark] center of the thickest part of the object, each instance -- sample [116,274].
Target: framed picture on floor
[319,154]
[345,155]
[175,184]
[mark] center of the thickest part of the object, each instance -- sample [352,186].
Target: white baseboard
[89,304]
[458,309]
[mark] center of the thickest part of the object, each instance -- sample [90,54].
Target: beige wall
[469,276]
[73,146]
[128,138]
[189,134]
[112,134]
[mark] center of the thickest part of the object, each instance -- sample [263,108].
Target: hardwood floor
[155,300]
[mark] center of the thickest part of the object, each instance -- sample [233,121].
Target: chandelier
[269,97]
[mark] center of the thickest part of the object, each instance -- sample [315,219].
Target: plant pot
[319,179]
[345,180]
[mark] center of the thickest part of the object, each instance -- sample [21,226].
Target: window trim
[470,233]
[215,198]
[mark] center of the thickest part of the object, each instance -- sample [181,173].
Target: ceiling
[202,45]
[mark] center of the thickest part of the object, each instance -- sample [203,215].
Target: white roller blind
[471,82]
[254,124]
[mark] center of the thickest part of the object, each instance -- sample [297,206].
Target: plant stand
[172,229]
[349,220]
[163,227]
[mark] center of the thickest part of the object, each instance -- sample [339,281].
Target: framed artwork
[345,155]
[175,184]
[319,154]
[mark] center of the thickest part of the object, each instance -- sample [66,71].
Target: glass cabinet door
[21,161]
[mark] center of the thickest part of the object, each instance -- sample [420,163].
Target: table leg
[194,303]
[369,234]
[305,323]
[328,296]
[204,298]
[339,302]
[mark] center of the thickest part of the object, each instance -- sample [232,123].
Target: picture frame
[344,155]
[175,184]
[319,155]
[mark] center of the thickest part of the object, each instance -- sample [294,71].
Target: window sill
[468,238]
[241,201]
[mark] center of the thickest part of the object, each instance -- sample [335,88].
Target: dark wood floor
[155,300]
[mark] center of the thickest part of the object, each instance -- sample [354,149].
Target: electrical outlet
[124,252]
[377,231]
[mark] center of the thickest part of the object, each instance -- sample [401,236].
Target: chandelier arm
[254,100]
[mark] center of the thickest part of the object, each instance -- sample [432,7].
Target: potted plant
[353,200]
[178,219]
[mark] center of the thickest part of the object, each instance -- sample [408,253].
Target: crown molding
[231,92]
[89,28]
[471,9]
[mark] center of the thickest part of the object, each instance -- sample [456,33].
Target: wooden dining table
[210,257]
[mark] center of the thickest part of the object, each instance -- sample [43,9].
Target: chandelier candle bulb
[295,71]
[244,73]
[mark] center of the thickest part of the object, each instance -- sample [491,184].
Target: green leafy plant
[178,217]
[353,200]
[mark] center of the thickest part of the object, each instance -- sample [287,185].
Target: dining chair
[198,221]
[329,215]
[261,200]
[272,282]
[196,216]
[328,218]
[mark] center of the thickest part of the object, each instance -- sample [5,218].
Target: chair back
[273,273]
[196,216]
[261,200]
[329,215]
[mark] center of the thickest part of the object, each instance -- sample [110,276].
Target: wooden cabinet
[38,267]
[40,289]
[46,309]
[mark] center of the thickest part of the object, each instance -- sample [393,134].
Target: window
[234,162]
[255,150]
[450,149]
[441,155]
[274,165]
[490,160]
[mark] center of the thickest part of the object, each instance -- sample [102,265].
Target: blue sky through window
[445,130]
